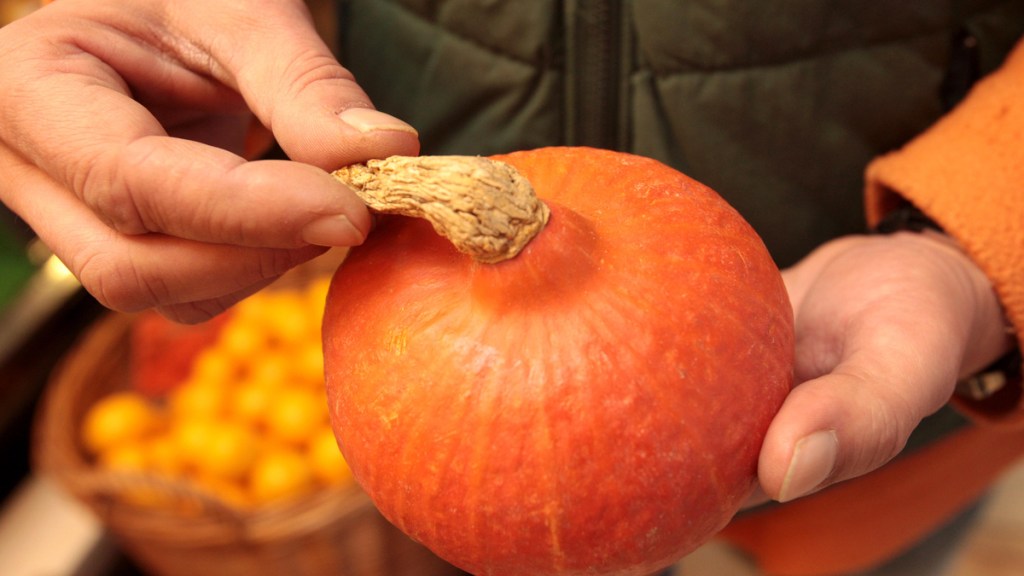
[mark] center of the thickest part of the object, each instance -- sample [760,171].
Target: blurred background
[47,529]
[132,446]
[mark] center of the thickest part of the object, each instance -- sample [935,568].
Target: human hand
[122,129]
[885,326]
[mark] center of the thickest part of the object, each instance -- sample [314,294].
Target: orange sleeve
[966,172]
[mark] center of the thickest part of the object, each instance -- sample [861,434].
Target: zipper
[594,65]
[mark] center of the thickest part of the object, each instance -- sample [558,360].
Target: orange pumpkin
[595,405]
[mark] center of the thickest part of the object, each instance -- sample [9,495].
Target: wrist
[992,358]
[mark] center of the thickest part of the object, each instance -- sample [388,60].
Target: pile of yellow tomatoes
[249,423]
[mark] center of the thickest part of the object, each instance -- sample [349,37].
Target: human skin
[885,326]
[122,143]
[122,129]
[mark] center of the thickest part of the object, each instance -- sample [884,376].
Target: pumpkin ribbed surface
[595,405]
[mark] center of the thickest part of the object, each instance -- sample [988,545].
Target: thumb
[845,424]
[294,85]
[884,328]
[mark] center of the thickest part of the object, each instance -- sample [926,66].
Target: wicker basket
[336,533]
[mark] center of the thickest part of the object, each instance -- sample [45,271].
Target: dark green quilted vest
[778,105]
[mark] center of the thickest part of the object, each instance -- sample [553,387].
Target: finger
[133,272]
[194,191]
[295,86]
[139,180]
[852,420]
[202,310]
[97,64]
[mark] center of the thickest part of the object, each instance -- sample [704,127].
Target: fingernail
[332,231]
[370,120]
[814,457]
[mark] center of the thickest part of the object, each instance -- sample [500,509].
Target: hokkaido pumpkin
[595,404]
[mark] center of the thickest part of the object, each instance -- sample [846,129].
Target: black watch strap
[905,218]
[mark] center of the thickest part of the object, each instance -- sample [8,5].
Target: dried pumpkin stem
[486,208]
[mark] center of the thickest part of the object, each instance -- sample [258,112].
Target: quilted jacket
[778,106]
[801,113]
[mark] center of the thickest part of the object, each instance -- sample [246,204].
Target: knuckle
[311,66]
[192,312]
[311,69]
[101,184]
[892,430]
[273,263]
[117,282]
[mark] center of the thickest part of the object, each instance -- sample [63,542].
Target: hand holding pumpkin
[124,137]
[885,325]
[460,396]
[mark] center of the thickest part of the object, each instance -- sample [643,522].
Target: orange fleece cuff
[966,172]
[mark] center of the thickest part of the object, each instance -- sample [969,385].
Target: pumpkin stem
[485,207]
